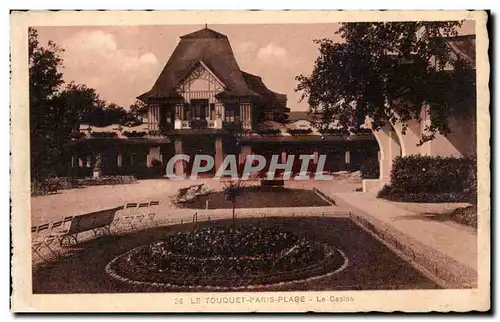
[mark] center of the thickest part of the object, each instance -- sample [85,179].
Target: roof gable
[216,54]
[199,71]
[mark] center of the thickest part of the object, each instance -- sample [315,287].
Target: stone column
[119,159]
[347,156]
[73,161]
[81,163]
[219,153]
[245,150]
[179,165]
[392,150]
[89,161]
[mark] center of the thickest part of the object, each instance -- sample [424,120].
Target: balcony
[195,124]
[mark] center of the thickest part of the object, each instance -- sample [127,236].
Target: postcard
[250,161]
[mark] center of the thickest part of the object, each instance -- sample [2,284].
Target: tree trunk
[234,215]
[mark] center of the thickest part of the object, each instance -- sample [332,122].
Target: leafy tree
[77,103]
[388,71]
[138,109]
[44,82]
[56,112]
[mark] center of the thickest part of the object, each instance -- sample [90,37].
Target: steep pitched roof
[257,85]
[215,51]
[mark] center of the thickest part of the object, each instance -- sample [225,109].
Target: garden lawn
[257,197]
[371,265]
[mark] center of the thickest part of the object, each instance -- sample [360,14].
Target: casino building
[203,103]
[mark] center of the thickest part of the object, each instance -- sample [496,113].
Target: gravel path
[80,201]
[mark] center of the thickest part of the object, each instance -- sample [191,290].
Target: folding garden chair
[41,238]
[130,213]
[140,215]
[153,206]
[115,224]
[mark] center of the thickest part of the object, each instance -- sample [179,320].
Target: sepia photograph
[250,164]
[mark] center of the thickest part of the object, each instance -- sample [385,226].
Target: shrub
[370,169]
[417,173]
[331,131]
[465,216]
[53,184]
[135,134]
[470,184]
[131,122]
[300,131]
[269,132]
[418,178]
[103,134]
[107,180]
[38,188]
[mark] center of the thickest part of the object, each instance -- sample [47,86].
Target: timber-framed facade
[203,103]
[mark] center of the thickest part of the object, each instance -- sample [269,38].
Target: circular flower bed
[227,258]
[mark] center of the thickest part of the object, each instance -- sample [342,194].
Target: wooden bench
[183,195]
[97,222]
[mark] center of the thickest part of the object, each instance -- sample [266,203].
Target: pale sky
[123,62]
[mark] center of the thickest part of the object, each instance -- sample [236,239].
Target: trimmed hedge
[269,132]
[300,131]
[135,134]
[430,174]
[333,131]
[107,180]
[44,187]
[103,134]
[419,178]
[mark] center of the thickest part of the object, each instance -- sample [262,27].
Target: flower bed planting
[227,257]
